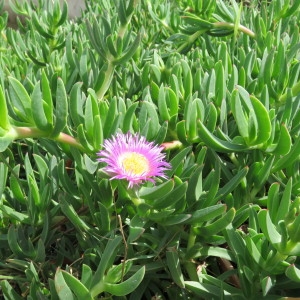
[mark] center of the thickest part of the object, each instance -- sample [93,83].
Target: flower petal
[133,158]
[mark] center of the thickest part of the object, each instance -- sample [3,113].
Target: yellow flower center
[135,163]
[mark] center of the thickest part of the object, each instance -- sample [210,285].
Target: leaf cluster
[217,84]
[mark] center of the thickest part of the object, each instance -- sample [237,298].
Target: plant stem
[276,259]
[97,289]
[123,28]
[232,26]
[189,265]
[108,75]
[191,39]
[191,240]
[234,160]
[67,139]
[136,201]
[33,132]
[171,145]
[28,132]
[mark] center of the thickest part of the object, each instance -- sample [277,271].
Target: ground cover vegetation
[150,150]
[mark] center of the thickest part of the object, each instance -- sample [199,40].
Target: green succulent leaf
[38,104]
[9,291]
[174,267]
[4,121]
[127,286]
[20,101]
[61,287]
[263,121]
[218,225]
[268,228]
[217,144]
[284,143]
[172,197]
[153,193]
[106,262]
[72,215]
[79,290]
[61,111]
[5,141]
[293,273]
[207,214]
[289,158]
[131,51]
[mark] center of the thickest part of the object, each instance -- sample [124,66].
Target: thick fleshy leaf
[217,144]
[268,228]
[173,263]
[79,290]
[61,109]
[156,192]
[217,226]
[293,273]
[127,286]
[4,122]
[20,101]
[62,287]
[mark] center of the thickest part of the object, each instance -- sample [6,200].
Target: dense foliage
[217,84]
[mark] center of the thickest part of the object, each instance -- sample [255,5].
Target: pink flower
[133,158]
